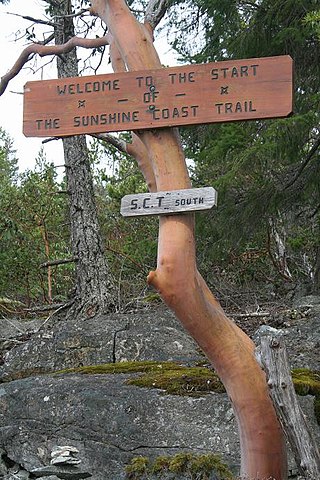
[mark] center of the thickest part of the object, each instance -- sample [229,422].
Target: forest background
[262,243]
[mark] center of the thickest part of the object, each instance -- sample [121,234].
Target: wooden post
[274,360]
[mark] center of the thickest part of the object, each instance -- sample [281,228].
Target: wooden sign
[186,95]
[170,202]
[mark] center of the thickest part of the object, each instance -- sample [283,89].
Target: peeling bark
[181,286]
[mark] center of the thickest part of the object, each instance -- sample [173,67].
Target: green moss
[160,464]
[152,298]
[180,462]
[208,463]
[196,467]
[137,468]
[122,367]
[191,381]
[168,376]
[307,382]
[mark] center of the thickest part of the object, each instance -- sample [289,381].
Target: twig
[12,324]
[127,257]
[250,315]
[51,139]
[74,15]
[59,262]
[45,50]
[60,192]
[62,307]
[32,19]
[44,308]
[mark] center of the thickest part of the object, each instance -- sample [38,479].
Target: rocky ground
[73,426]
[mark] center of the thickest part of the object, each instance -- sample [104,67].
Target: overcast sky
[11,102]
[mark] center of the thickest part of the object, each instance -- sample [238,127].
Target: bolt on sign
[226,91]
[168,202]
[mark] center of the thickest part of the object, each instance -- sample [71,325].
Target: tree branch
[59,262]
[135,149]
[74,15]
[155,11]
[120,144]
[32,19]
[312,151]
[45,50]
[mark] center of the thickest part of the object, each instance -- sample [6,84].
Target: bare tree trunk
[94,288]
[263,453]
[273,356]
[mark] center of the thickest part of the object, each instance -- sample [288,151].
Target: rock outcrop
[73,426]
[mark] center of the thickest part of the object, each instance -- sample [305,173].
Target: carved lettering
[145,81]
[88,87]
[106,119]
[134,204]
[175,112]
[170,202]
[48,124]
[237,107]
[182,77]
[150,97]
[234,72]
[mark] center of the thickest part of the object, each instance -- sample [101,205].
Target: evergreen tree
[266,172]
[33,230]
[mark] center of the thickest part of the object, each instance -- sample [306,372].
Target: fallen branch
[250,315]
[62,261]
[274,360]
[45,50]
[44,308]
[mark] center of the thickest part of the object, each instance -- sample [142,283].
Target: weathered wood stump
[273,357]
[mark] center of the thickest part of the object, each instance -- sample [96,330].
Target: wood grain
[192,94]
[273,357]
[168,203]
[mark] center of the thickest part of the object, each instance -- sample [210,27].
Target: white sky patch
[12,42]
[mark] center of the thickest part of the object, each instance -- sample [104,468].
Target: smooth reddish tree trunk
[263,453]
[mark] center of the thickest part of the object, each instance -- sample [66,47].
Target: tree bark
[274,359]
[316,280]
[263,454]
[94,288]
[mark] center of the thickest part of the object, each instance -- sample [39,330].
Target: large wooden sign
[169,202]
[213,92]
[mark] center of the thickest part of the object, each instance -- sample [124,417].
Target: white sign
[169,202]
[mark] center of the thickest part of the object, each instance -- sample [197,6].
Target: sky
[11,102]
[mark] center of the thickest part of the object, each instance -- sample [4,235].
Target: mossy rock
[190,381]
[137,468]
[121,367]
[167,376]
[307,382]
[186,464]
